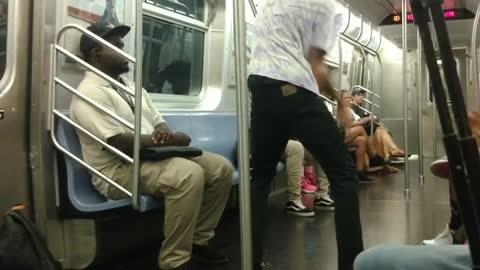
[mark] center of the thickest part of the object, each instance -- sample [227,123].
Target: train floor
[309,243]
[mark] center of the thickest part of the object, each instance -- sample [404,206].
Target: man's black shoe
[363,178]
[207,255]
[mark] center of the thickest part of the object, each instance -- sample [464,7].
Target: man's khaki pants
[295,155]
[196,191]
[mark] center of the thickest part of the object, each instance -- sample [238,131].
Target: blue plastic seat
[213,132]
[81,194]
[217,133]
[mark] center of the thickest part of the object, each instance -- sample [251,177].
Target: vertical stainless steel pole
[419,108]
[405,94]
[474,56]
[434,127]
[340,63]
[138,100]
[243,137]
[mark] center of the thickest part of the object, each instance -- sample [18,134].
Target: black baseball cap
[102,29]
[358,91]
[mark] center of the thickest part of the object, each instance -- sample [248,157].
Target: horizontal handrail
[371,103]
[94,70]
[328,100]
[366,90]
[96,38]
[86,165]
[365,110]
[138,101]
[93,103]
[355,43]
[92,136]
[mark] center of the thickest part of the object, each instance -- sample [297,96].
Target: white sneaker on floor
[324,202]
[444,238]
[296,208]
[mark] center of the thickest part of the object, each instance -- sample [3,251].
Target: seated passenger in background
[302,170]
[355,135]
[381,140]
[439,253]
[294,157]
[454,231]
[315,175]
[195,190]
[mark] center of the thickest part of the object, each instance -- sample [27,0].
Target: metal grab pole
[380,95]
[405,94]
[243,136]
[138,100]
[340,61]
[419,108]
[434,127]
[474,55]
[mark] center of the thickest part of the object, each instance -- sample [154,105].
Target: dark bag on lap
[161,153]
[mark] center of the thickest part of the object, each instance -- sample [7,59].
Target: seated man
[196,190]
[438,253]
[454,232]
[380,138]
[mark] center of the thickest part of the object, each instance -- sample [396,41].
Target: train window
[191,8]
[3,36]
[354,27]
[340,8]
[376,39]
[173,58]
[366,33]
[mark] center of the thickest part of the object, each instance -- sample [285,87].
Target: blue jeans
[453,257]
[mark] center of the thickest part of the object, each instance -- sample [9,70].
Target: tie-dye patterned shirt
[283,33]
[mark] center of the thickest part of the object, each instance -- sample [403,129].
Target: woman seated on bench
[355,135]
[381,140]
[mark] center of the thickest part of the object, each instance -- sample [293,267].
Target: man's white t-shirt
[284,32]
[103,126]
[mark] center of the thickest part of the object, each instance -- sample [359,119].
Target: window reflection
[173,58]
[192,8]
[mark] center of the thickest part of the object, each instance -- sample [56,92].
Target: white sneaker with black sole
[324,203]
[298,209]
[443,238]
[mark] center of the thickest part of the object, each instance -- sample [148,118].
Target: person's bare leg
[361,143]
[388,140]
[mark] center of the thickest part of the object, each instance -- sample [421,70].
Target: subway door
[15,41]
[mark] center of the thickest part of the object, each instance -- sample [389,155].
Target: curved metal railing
[136,128]
[474,56]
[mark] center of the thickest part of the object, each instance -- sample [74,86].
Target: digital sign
[449,14]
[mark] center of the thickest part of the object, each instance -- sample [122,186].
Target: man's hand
[161,134]
[365,120]
[181,139]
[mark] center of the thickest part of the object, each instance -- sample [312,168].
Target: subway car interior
[191,57]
